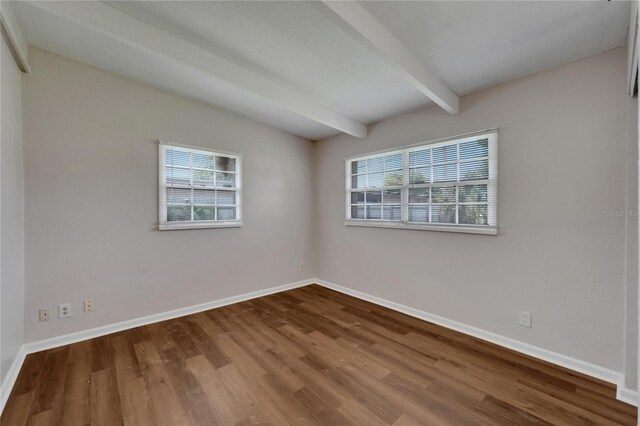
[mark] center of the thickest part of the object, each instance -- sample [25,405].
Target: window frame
[163,224]
[492,186]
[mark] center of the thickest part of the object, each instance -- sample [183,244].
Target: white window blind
[198,188]
[445,185]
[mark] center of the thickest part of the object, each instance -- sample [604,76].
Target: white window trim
[492,207]
[163,225]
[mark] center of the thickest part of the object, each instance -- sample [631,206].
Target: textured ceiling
[290,41]
[475,44]
[469,45]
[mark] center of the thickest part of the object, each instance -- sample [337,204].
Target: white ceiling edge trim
[360,24]
[14,36]
[632,51]
[135,34]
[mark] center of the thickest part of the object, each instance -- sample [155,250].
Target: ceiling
[299,67]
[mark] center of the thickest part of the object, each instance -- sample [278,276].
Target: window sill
[484,230]
[172,226]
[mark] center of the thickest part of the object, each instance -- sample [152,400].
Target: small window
[446,185]
[198,188]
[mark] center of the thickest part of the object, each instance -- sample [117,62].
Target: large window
[445,185]
[198,188]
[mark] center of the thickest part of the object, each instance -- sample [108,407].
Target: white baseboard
[11,377]
[79,336]
[574,364]
[626,395]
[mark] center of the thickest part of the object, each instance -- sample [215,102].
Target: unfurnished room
[319,213]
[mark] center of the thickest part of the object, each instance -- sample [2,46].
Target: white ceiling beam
[354,19]
[133,33]
[632,50]
[13,35]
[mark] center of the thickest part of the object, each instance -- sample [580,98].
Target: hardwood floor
[302,357]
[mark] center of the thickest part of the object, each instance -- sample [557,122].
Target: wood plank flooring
[307,356]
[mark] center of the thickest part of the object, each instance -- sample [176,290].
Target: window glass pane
[443,194]
[358,167]
[178,213]
[178,176]
[479,148]
[418,195]
[374,180]
[393,162]
[445,153]
[393,196]
[226,197]
[178,196]
[474,170]
[445,173]
[202,161]
[190,193]
[177,158]
[393,178]
[375,164]
[472,193]
[443,214]
[226,213]
[420,175]
[204,197]
[225,180]
[357,212]
[418,213]
[473,215]
[202,178]
[374,212]
[419,158]
[392,213]
[357,197]
[225,164]
[374,197]
[359,181]
[445,183]
[204,213]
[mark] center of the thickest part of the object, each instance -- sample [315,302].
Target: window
[198,188]
[445,185]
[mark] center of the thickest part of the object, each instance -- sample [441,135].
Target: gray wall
[11,213]
[91,164]
[631,306]
[558,255]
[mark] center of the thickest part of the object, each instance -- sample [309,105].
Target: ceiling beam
[13,35]
[137,35]
[359,23]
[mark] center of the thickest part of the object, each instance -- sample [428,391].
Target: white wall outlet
[45,314]
[64,310]
[301,266]
[89,305]
[525,319]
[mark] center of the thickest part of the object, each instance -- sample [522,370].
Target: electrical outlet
[64,310]
[525,319]
[301,266]
[45,314]
[89,305]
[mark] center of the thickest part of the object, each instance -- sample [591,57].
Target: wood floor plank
[77,402]
[234,403]
[134,398]
[308,356]
[165,407]
[187,389]
[50,394]
[17,413]
[105,399]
